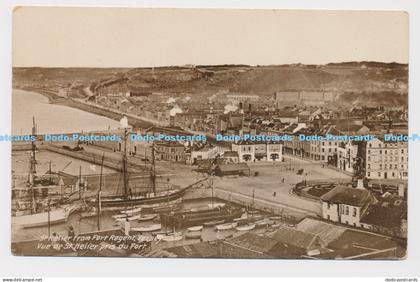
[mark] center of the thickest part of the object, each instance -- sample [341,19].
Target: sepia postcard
[207,133]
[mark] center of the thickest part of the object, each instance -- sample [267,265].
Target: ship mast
[125,164]
[153,170]
[32,170]
[99,193]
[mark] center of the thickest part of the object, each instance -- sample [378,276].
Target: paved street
[270,180]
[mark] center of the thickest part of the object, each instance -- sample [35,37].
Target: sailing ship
[152,199]
[42,201]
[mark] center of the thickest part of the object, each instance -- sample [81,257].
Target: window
[347,210]
[354,212]
[368,174]
[379,174]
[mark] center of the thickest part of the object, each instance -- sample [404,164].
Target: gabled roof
[199,250]
[296,238]
[389,216]
[254,242]
[349,196]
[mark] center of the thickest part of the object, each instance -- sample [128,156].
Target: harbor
[150,199]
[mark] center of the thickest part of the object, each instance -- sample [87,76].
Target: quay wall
[287,212]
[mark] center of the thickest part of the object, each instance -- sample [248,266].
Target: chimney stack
[360,184]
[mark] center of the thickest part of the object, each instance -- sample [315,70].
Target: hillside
[370,79]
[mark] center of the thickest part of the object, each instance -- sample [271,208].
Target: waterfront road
[274,182]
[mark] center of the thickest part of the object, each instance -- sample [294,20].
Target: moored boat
[131,211]
[216,205]
[226,226]
[118,216]
[148,228]
[130,218]
[55,216]
[193,235]
[213,222]
[195,228]
[246,227]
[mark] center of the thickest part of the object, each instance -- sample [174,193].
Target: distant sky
[134,37]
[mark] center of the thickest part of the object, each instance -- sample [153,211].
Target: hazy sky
[134,37]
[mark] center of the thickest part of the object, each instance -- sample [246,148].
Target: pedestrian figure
[71,232]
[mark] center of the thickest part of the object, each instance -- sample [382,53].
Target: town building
[347,205]
[254,151]
[237,99]
[347,157]
[170,151]
[205,153]
[386,160]
[231,157]
[388,216]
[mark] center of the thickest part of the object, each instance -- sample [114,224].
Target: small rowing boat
[132,211]
[196,228]
[193,235]
[264,222]
[246,227]
[117,216]
[216,205]
[148,228]
[131,218]
[226,226]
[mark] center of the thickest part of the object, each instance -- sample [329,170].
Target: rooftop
[296,238]
[349,196]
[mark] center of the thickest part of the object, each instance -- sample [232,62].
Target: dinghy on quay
[148,228]
[226,226]
[195,228]
[246,227]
